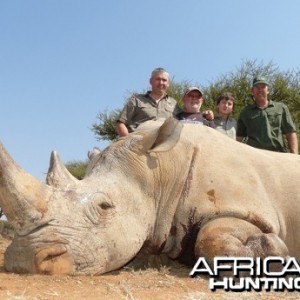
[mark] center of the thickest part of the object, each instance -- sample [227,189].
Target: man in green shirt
[264,123]
[153,105]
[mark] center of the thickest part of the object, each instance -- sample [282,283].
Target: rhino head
[89,226]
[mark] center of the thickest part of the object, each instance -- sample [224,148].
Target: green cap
[258,80]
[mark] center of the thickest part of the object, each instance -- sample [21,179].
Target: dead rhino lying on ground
[186,191]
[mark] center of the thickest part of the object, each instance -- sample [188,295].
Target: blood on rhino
[185,191]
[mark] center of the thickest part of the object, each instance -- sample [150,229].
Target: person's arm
[121,129]
[241,131]
[126,116]
[292,142]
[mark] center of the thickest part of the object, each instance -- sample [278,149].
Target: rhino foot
[234,237]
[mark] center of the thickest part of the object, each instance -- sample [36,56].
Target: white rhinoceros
[183,190]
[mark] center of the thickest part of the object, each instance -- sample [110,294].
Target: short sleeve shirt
[264,128]
[196,118]
[141,108]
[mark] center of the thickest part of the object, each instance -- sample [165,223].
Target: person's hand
[209,115]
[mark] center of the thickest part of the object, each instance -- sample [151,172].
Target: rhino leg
[236,237]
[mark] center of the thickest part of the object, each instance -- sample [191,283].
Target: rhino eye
[105,205]
[99,208]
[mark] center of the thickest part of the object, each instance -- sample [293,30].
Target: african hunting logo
[250,274]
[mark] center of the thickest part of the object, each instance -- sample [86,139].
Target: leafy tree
[77,168]
[239,82]
[284,86]
[105,129]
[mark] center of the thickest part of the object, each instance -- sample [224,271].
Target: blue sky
[63,61]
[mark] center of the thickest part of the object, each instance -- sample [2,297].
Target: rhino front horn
[22,197]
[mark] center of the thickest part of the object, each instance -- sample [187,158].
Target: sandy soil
[167,283]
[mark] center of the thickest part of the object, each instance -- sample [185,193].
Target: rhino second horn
[58,175]
[23,198]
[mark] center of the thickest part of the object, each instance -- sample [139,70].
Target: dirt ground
[166,283]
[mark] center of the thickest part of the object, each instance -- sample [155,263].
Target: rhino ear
[58,175]
[165,138]
[93,153]
[93,156]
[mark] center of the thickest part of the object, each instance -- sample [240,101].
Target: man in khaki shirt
[155,104]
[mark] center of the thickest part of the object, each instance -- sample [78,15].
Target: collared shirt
[264,128]
[226,126]
[141,108]
[196,118]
